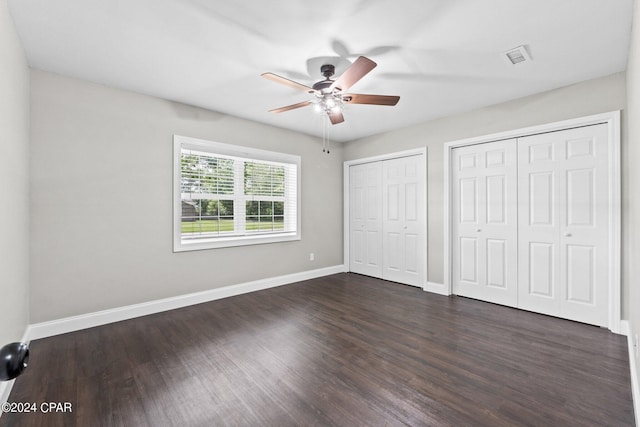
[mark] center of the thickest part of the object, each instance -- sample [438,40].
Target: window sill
[226,242]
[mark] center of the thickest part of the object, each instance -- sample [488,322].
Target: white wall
[101,200]
[590,97]
[14,182]
[632,211]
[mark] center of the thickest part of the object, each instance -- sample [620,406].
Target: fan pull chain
[325,137]
[328,136]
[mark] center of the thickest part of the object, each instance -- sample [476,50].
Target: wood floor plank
[339,350]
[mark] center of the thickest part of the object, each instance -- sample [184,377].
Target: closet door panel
[496,198]
[541,203]
[563,224]
[469,209]
[585,225]
[468,261]
[542,258]
[496,263]
[468,201]
[538,228]
[580,278]
[404,227]
[365,216]
[485,222]
[412,259]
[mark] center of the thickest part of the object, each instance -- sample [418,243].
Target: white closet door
[484,210]
[563,252]
[403,217]
[365,212]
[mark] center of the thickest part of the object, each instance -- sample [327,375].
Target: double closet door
[531,223]
[387,222]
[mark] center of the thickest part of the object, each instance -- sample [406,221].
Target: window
[225,195]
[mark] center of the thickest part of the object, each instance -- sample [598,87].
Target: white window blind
[229,195]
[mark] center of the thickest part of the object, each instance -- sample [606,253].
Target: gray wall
[590,97]
[99,155]
[88,145]
[14,182]
[632,158]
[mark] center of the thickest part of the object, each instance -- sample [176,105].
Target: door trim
[612,119]
[346,227]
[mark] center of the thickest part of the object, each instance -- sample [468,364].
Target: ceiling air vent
[517,55]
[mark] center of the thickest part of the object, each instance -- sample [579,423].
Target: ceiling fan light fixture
[330,103]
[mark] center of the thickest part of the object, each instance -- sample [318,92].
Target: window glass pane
[225,176]
[278,208]
[202,174]
[266,208]
[225,208]
[266,223]
[278,181]
[263,179]
[278,222]
[253,208]
[260,216]
[252,223]
[201,217]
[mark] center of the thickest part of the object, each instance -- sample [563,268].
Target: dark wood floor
[341,350]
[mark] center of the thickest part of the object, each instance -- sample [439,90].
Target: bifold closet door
[387,221]
[365,216]
[484,222]
[563,256]
[403,220]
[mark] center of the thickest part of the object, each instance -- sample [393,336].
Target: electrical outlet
[312,256]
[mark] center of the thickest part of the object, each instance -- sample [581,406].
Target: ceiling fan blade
[283,80]
[336,118]
[357,98]
[355,72]
[290,107]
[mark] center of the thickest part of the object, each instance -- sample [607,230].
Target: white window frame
[221,149]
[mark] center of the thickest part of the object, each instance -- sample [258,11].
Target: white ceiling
[441,56]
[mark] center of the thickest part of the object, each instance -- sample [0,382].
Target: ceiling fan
[331,95]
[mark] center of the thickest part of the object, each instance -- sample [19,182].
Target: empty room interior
[336,213]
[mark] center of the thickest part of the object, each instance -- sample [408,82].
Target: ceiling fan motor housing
[327,70]
[323,86]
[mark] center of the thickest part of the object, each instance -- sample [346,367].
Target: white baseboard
[624,328]
[436,288]
[6,386]
[89,320]
[635,382]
